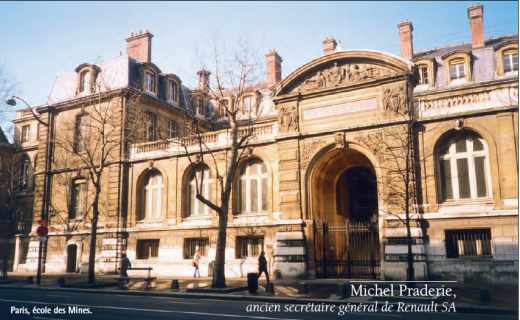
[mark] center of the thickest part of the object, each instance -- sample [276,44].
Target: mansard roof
[465,47]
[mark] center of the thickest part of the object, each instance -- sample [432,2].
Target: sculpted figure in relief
[344,74]
[287,119]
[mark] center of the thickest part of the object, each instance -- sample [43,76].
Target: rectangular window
[481,176]
[510,61]
[249,246]
[151,124]
[149,82]
[77,206]
[26,131]
[248,105]
[445,168]
[147,249]
[81,133]
[423,75]
[191,245]
[173,91]
[457,70]
[172,129]
[468,243]
[463,177]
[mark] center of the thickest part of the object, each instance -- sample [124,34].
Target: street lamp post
[41,239]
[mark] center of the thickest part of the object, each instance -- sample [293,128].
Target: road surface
[56,305]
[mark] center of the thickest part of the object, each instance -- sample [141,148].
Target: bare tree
[93,140]
[7,89]
[9,178]
[398,148]
[234,79]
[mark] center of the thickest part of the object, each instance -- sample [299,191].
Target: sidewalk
[290,292]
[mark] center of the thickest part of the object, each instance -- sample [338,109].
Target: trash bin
[252,282]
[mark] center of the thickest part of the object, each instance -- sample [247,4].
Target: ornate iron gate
[348,250]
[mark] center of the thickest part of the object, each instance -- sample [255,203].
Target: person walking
[125,265]
[262,266]
[196,261]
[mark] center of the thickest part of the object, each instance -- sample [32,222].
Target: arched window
[463,167]
[199,178]
[85,81]
[252,187]
[151,193]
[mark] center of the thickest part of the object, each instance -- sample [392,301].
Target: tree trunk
[93,239]
[219,277]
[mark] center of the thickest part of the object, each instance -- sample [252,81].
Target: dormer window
[248,105]
[174,91]
[423,74]
[510,60]
[457,69]
[149,82]
[86,78]
[84,82]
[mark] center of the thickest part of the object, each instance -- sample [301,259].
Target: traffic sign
[42,231]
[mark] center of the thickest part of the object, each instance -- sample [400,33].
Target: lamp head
[11,102]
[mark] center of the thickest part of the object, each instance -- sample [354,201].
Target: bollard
[252,282]
[269,288]
[303,288]
[175,284]
[484,296]
[61,281]
[341,290]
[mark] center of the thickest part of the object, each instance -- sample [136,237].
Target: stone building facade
[348,149]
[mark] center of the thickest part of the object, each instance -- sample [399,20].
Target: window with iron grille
[191,245]
[468,243]
[147,248]
[249,246]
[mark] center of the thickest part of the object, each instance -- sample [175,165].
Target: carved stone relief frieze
[372,141]
[288,119]
[344,74]
[394,99]
[310,148]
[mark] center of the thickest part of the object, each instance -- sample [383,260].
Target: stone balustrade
[432,105]
[209,141]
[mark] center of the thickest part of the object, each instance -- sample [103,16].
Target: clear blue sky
[42,39]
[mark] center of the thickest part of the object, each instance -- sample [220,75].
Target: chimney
[329,45]
[476,22]
[203,79]
[274,67]
[139,46]
[406,39]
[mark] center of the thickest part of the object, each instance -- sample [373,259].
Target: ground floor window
[468,243]
[191,245]
[249,246]
[147,248]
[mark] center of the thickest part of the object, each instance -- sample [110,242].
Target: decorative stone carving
[344,74]
[372,141]
[339,140]
[394,100]
[310,148]
[288,119]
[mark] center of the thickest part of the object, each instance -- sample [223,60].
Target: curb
[234,297]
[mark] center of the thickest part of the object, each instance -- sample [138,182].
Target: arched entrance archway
[72,251]
[344,208]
